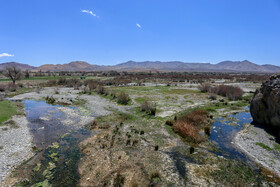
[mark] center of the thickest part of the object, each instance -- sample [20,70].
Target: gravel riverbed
[15,144]
[260,146]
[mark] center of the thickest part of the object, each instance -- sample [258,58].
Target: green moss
[264,146]
[79,102]
[277,147]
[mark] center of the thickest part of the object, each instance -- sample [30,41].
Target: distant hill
[19,65]
[72,66]
[225,66]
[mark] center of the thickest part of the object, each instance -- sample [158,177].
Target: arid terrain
[134,129]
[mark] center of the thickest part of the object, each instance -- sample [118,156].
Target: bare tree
[13,73]
[27,74]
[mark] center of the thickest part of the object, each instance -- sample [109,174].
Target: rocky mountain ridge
[225,66]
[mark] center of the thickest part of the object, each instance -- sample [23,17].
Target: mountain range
[225,66]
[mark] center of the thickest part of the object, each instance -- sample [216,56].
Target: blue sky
[113,31]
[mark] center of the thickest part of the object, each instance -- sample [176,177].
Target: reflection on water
[223,133]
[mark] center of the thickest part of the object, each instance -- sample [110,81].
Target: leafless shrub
[94,125]
[169,123]
[149,108]
[92,84]
[100,90]
[74,83]
[231,92]
[12,87]
[2,88]
[50,100]
[123,98]
[27,74]
[204,87]
[61,81]
[212,96]
[51,83]
[13,73]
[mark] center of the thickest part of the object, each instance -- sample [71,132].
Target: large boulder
[265,105]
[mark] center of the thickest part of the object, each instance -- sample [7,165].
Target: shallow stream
[224,131]
[56,147]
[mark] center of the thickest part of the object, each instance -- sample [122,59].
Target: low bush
[123,98]
[189,125]
[212,96]
[169,123]
[204,87]
[2,88]
[94,125]
[92,84]
[73,83]
[20,85]
[149,108]
[100,90]
[231,92]
[51,83]
[50,100]
[12,87]
[61,81]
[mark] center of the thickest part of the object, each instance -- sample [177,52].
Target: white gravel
[246,140]
[73,118]
[16,145]
[97,105]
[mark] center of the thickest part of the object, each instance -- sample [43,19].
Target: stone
[265,105]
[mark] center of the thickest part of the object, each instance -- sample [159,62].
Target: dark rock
[265,105]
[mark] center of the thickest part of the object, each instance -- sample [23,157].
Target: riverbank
[16,145]
[261,147]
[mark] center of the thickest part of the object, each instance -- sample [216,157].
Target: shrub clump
[205,87]
[50,100]
[100,90]
[51,83]
[189,125]
[123,98]
[231,92]
[61,81]
[2,88]
[11,87]
[149,108]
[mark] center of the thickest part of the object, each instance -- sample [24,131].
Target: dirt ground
[131,148]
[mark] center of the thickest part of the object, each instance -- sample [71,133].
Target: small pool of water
[56,146]
[223,132]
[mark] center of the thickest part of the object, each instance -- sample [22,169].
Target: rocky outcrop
[265,105]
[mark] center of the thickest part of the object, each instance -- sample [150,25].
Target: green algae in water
[58,166]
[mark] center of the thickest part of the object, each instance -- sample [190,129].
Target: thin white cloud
[138,25]
[5,55]
[89,12]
